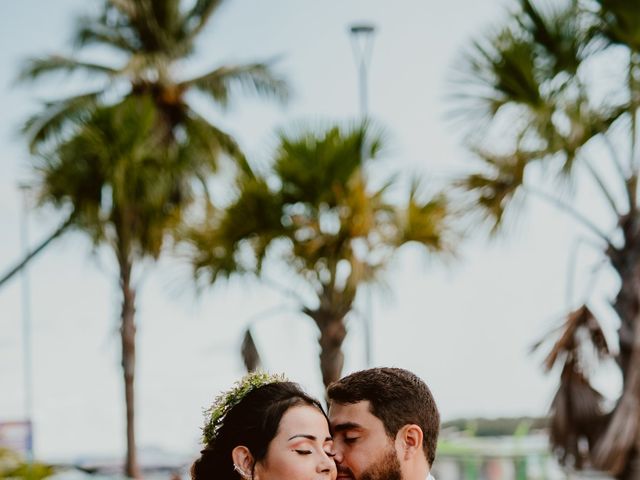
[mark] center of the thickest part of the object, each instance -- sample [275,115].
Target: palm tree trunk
[627,306]
[332,335]
[331,355]
[627,303]
[128,333]
[617,449]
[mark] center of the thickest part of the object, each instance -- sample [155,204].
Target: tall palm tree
[128,182]
[128,192]
[152,37]
[315,211]
[537,98]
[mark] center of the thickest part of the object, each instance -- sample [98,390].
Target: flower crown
[224,402]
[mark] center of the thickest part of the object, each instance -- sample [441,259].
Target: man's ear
[242,461]
[409,441]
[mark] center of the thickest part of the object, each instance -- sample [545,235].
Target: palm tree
[153,37]
[315,211]
[127,191]
[124,155]
[535,97]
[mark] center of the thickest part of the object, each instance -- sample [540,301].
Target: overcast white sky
[465,328]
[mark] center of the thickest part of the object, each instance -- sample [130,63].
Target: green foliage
[119,176]
[317,202]
[542,104]
[495,427]
[620,23]
[227,400]
[316,212]
[127,163]
[124,158]
[533,100]
[12,466]
[154,36]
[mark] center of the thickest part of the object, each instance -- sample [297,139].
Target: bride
[265,428]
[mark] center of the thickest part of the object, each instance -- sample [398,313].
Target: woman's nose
[327,465]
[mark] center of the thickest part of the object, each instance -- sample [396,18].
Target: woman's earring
[242,473]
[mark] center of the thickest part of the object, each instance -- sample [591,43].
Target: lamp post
[362,43]
[26,323]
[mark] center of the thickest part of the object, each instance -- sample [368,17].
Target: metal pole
[362,43]
[363,90]
[26,324]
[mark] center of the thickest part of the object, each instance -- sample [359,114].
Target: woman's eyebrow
[301,435]
[308,437]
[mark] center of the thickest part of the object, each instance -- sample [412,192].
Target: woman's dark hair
[253,423]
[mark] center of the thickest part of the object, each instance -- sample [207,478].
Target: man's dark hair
[397,397]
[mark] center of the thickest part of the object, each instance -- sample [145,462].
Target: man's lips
[345,474]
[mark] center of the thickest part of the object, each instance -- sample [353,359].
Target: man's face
[363,449]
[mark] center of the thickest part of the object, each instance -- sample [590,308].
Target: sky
[464,326]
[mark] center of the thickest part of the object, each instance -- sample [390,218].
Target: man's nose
[338,457]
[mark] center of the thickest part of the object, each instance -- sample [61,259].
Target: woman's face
[301,450]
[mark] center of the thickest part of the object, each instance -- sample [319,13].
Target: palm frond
[168,16]
[207,142]
[252,221]
[253,78]
[249,352]
[427,222]
[154,27]
[314,164]
[211,257]
[37,67]
[499,70]
[126,7]
[493,190]
[65,226]
[577,418]
[559,33]
[580,124]
[199,14]
[90,31]
[56,115]
[571,340]
[620,22]
[118,176]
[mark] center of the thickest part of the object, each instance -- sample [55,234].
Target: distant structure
[500,449]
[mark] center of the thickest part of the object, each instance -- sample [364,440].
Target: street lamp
[25,190]
[362,44]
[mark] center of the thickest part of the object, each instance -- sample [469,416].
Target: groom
[385,425]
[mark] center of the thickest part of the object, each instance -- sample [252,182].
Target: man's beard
[386,468]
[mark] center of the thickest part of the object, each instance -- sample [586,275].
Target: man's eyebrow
[341,427]
[308,437]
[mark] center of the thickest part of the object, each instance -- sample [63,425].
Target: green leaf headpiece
[224,402]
